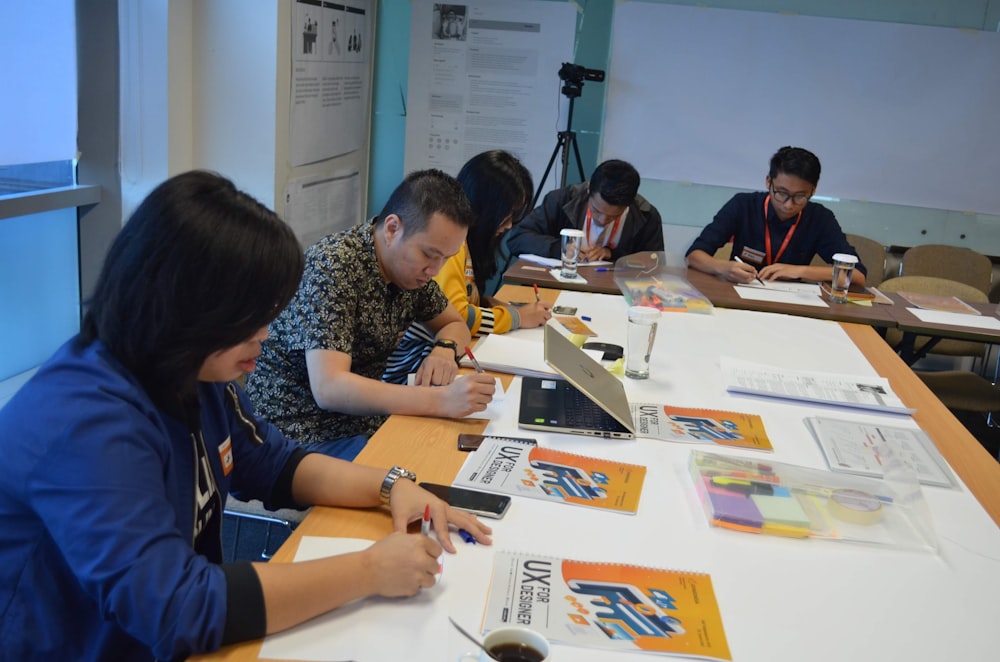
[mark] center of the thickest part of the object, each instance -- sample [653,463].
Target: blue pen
[466,536]
[604,269]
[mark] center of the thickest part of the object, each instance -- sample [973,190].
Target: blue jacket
[109,534]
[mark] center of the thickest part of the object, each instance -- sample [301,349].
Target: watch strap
[390,479]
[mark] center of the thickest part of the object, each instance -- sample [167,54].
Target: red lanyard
[767,233]
[614,228]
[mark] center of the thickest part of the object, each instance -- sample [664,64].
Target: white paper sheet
[800,298]
[378,628]
[956,319]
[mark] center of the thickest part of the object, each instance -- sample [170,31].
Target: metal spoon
[472,639]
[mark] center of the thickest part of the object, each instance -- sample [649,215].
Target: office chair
[871,253]
[242,512]
[725,251]
[944,287]
[952,262]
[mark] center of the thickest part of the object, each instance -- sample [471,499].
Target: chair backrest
[934,285]
[952,262]
[870,252]
[725,251]
[942,287]
[872,255]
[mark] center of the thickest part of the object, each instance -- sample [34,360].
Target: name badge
[752,256]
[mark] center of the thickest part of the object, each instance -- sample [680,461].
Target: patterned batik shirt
[343,304]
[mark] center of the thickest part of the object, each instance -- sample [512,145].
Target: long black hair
[199,267]
[497,185]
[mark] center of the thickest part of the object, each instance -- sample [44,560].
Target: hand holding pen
[472,357]
[751,270]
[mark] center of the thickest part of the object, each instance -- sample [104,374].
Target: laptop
[588,400]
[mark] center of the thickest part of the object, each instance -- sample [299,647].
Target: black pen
[756,277]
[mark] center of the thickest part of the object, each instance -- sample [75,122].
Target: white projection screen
[901,114]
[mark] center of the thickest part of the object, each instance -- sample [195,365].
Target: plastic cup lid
[844,257]
[643,313]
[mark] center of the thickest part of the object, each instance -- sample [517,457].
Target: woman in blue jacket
[121,450]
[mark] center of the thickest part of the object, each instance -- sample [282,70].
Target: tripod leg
[576,152]
[560,141]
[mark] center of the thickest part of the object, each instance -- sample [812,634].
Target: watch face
[451,344]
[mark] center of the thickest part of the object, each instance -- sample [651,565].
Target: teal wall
[683,204]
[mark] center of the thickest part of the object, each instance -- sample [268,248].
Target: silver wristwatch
[390,479]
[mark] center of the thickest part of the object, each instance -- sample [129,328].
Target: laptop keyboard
[582,412]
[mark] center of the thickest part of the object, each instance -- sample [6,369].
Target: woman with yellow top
[499,189]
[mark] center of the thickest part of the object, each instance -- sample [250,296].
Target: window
[39,266]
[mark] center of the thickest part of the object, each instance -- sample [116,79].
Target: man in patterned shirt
[318,376]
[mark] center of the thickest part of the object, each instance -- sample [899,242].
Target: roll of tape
[855,506]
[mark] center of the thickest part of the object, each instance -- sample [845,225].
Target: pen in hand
[472,357]
[755,276]
[425,525]
[537,297]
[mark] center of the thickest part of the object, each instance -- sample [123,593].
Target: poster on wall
[485,75]
[331,56]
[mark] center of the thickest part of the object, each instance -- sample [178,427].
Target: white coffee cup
[513,636]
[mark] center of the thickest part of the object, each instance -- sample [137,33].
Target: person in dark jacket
[616,220]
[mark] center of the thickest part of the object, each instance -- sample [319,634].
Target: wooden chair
[944,287]
[871,253]
[725,251]
[952,262]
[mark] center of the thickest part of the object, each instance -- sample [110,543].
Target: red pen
[537,297]
[425,526]
[472,357]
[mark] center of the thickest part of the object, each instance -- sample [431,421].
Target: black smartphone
[478,503]
[470,442]
[564,310]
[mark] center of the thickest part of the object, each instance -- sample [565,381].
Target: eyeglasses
[785,196]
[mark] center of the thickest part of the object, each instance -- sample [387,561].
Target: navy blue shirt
[742,220]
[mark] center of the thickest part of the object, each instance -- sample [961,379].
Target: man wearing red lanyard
[775,233]
[615,219]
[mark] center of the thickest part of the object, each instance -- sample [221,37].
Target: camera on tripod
[574,73]
[573,76]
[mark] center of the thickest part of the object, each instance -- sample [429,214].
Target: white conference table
[781,599]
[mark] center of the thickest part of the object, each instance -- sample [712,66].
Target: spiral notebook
[611,606]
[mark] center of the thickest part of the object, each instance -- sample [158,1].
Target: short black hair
[421,195]
[199,267]
[795,161]
[497,185]
[617,182]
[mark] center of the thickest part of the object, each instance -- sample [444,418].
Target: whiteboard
[902,114]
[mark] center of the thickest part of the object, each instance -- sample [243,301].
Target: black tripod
[565,139]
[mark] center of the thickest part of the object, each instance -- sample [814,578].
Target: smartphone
[478,503]
[470,442]
[564,310]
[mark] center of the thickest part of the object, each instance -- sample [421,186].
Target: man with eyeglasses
[615,219]
[776,233]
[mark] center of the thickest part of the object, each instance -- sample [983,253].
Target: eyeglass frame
[785,196]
